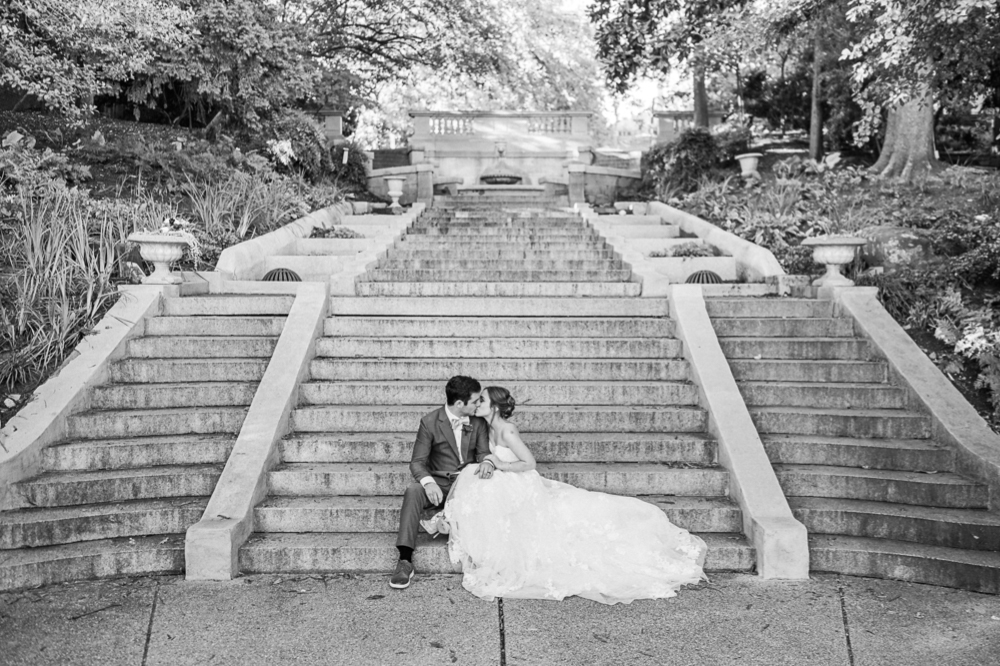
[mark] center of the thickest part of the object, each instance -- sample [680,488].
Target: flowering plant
[282,151]
[177,227]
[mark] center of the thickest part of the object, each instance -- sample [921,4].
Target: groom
[449,438]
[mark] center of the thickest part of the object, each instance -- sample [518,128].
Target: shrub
[691,249]
[676,167]
[335,232]
[243,206]
[732,140]
[65,255]
[307,152]
[351,175]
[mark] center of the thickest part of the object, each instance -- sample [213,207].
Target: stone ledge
[44,420]
[954,421]
[245,261]
[212,544]
[781,542]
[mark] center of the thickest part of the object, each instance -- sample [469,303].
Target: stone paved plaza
[358,620]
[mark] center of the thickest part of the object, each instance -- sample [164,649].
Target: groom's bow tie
[462,421]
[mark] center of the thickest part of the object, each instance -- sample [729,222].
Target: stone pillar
[333,126]
[425,184]
[577,184]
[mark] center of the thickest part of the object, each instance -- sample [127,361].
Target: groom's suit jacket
[435,452]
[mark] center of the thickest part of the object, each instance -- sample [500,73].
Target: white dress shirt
[456,423]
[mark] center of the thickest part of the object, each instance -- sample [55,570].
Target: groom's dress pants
[415,502]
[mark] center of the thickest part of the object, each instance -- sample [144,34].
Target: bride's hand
[494,459]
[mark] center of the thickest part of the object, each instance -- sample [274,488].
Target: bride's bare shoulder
[509,429]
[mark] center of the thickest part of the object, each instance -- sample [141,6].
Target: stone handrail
[753,262]
[245,261]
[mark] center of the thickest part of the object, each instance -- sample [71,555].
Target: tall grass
[243,204]
[62,256]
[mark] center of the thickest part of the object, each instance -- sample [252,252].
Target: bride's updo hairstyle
[502,400]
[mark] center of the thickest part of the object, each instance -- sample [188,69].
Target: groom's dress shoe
[403,575]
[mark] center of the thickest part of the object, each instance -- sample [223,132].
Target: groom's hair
[461,388]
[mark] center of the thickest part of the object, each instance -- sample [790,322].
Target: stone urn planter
[748,163]
[834,252]
[161,250]
[395,188]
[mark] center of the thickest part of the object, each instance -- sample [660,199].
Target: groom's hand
[434,494]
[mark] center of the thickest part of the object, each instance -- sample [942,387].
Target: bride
[519,535]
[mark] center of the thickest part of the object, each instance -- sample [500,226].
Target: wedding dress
[518,535]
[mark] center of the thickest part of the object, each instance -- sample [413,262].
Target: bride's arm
[511,438]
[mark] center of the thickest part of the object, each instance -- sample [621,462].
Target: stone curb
[753,263]
[245,261]
[780,540]
[212,544]
[954,421]
[44,420]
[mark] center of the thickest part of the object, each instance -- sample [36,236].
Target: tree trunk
[908,151]
[700,95]
[816,117]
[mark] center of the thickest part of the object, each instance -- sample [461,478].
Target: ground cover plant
[946,293]
[71,193]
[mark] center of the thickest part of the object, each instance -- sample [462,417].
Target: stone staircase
[877,494]
[604,398]
[139,465]
[465,246]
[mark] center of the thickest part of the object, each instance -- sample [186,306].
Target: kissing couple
[520,535]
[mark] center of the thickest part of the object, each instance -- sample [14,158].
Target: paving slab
[733,619]
[305,620]
[895,623]
[96,622]
[358,619]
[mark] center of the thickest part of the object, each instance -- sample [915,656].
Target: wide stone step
[514,348]
[864,423]
[160,396]
[403,418]
[72,488]
[502,253]
[388,273]
[915,455]
[381,514]
[32,528]
[216,326]
[528,243]
[771,327]
[756,308]
[376,553]
[975,570]
[474,222]
[809,371]
[949,528]
[599,289]
[218,305]
[500,370]
[106,558]
[392,479]
[111,424]
[179,371]
[477,308]
[796,348]
[499,327]
[138,452]
[471,232]
[602,447]
[942,490]
[505,264]
[201,347]
[824,396]
[535,393]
